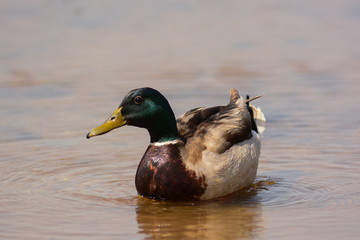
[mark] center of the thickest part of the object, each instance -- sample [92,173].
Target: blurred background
[66,65]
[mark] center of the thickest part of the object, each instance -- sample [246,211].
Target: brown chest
[161,174]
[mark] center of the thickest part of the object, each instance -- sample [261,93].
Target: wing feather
[218,128]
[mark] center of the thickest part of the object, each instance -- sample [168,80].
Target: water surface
[65,66]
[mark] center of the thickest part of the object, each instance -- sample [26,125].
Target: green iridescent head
[145,108]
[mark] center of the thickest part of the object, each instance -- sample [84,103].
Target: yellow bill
[114,121]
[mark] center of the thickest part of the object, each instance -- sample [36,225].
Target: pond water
[65,66]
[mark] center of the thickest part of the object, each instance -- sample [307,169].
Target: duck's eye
[138,99]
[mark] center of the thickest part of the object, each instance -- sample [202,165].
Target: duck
[207,153]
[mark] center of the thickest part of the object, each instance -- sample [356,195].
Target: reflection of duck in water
[207,153]
[228,218]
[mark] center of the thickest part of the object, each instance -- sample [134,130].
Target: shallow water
[65,66]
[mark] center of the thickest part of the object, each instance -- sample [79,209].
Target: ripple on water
[305,191]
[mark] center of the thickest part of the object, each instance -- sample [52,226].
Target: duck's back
[217,128]
[223,143]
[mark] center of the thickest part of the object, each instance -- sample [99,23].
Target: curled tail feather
[257,115]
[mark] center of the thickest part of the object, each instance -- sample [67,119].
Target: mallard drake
[206,153]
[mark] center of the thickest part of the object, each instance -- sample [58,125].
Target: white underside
[227,172]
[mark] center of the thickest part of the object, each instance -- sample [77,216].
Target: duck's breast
[161,174]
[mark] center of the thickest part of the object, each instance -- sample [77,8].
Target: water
[65,66]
